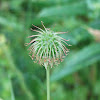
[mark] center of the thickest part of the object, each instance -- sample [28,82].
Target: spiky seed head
[47,47]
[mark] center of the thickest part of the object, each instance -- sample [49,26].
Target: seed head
[47,47]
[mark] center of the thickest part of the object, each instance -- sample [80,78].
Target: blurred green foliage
[78,77]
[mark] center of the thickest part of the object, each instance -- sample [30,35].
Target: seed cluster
[47,47]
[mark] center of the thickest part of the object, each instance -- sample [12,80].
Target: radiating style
[47,47]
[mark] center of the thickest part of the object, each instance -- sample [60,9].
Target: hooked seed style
[47,47]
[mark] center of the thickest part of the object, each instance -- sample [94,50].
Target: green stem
[12,91]
[48,83]
[13,68]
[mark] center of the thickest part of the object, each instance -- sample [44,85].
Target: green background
[77,77]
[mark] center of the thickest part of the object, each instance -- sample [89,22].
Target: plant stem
[48,83]
[12,91]
[17,71]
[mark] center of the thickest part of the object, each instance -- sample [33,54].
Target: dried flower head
[47,47]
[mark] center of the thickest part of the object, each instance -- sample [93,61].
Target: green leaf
[16,5]
[69,10]
[85,57]
[11,24]
[47,3]
[46,20]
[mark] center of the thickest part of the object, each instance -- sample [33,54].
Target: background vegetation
[78,77]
